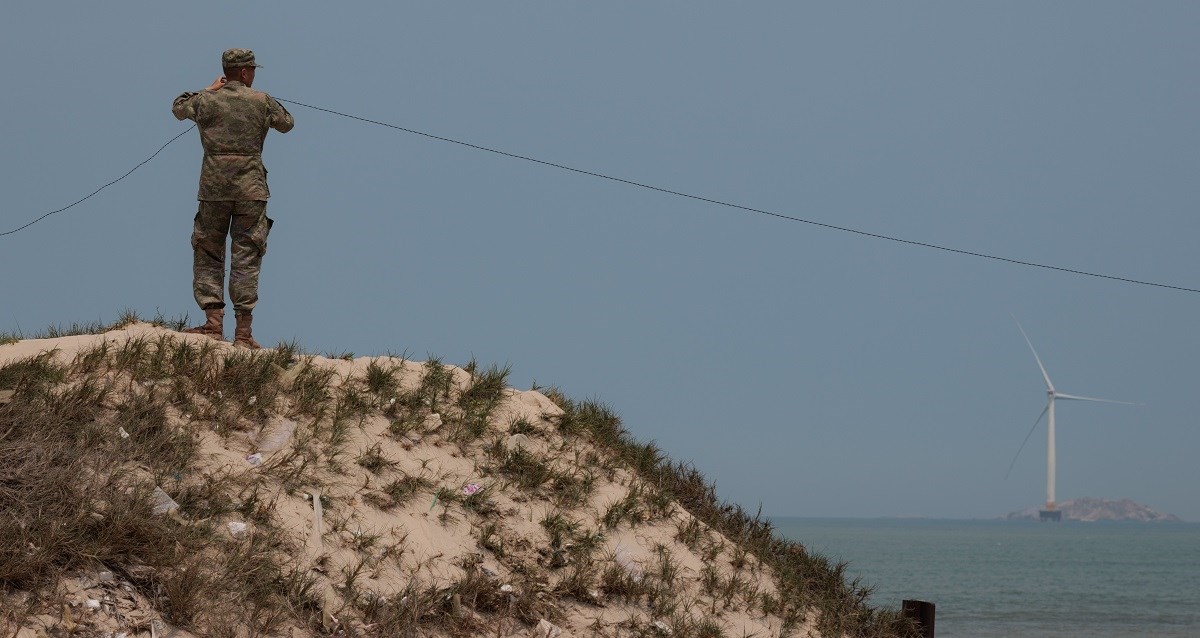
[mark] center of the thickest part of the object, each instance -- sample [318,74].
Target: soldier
[233,121]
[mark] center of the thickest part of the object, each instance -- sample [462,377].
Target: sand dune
[386,496]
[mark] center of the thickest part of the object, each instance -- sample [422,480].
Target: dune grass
[84,444]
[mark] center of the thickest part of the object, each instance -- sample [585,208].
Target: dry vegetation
[363,497]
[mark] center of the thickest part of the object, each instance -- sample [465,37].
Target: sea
[993,578]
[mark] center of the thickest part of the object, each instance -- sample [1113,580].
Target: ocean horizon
[993,577]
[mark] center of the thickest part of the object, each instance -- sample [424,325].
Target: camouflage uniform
[233,122]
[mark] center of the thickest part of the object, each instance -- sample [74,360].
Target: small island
[1099,509]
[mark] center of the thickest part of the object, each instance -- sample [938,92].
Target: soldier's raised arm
[184,107]
[281,120]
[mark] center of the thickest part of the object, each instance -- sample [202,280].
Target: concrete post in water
[922,612]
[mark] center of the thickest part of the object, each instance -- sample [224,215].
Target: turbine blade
[1035,424]
[1072,397]
[1049,386]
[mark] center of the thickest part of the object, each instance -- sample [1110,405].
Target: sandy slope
[422,539]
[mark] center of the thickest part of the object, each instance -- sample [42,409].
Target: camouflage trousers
[246,222]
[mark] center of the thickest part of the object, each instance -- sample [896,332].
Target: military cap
[234,58]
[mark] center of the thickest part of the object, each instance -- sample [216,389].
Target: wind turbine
[1050,513]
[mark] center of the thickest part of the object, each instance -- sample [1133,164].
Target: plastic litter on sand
[163,504]
[626,562]
[275,436]
[516,442]
[547,629]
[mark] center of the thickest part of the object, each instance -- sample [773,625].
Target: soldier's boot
[213,326]
[242,335]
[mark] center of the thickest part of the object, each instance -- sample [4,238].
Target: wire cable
[709,200]
[750,209]
[80,201]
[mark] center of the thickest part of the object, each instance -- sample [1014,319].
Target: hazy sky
[819,373]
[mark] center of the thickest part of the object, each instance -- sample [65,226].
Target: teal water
[1029,579]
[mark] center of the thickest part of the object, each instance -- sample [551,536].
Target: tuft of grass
[572,488]
[403,489]
[93,359]
[149,438]
[351,406]
[87,328]
[480,503]
[309,389]
[702,628]
[287,353]
[479,400]
[382,380]
[521,425]
[663,582]
[490,539]
[248,380]
[580,581]
[176,324]
[616,582]
[477,591]
[126,318]
[400,425]
[597,420]
[374,461]
[556,395]
[560,528]
[629,509]
[33,373]
[523,468]
[435,387]
[690,531]
[130,356]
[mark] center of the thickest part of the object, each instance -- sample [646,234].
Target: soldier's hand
[217,83]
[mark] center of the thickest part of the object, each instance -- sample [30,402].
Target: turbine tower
[1051,513]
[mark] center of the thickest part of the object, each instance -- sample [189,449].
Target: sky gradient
[815,372]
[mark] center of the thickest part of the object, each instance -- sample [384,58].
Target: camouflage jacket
[233,122]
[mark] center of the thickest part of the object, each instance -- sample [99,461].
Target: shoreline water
[994,577]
